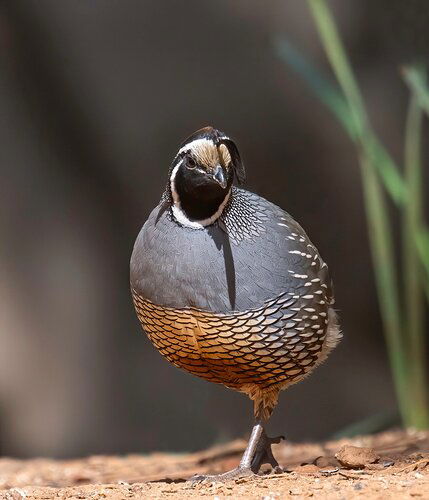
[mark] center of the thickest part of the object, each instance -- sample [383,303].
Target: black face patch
[199,191]
[210,147]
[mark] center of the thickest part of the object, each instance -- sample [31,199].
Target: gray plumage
[254,253]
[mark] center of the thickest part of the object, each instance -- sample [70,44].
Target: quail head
[229,287]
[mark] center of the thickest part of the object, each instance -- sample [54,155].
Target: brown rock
[355,457]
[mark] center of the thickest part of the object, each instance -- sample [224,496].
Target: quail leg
[257,453]
[264,454]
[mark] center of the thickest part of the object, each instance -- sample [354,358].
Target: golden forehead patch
[207,154]
[225,157]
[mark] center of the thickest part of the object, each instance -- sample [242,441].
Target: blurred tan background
[95,97]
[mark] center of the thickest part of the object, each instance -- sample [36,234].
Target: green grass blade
[416,81]
[336,55]
[422,244]
[387,287]
[413,293]
[380,233]
[387,169]
[333,98]
[422,240]
[328,93]
[415,78]
[335,52]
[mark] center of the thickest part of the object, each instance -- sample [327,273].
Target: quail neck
[201,178]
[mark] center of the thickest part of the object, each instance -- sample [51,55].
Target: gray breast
[255,253]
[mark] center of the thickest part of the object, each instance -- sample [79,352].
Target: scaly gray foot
[263,455]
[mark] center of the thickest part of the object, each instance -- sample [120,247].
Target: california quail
[229,287]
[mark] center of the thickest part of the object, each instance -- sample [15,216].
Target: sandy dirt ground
[391,465]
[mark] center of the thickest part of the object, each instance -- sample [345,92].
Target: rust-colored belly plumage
[265,346]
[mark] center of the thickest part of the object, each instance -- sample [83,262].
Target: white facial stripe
[195,145]
[180,215]
[174,193]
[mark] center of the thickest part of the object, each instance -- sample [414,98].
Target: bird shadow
[220,236]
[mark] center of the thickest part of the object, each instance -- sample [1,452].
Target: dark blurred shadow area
[95,97]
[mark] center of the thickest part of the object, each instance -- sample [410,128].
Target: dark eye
[191,163]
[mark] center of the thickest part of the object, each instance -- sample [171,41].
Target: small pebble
[327,471]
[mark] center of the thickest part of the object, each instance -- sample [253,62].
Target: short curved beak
[219,176]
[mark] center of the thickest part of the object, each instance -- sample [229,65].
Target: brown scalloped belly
[232,349]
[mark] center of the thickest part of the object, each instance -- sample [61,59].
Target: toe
[237,473]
